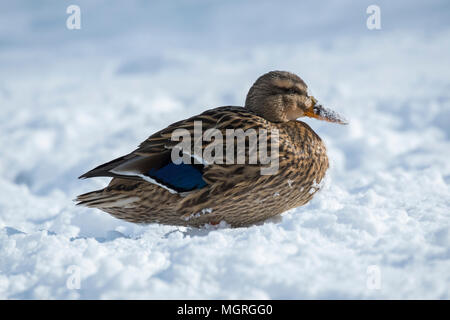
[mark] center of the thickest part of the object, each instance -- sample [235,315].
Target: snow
[73,99]
[199,214]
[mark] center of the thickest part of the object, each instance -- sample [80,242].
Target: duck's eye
[291,91]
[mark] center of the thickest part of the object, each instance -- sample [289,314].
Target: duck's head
[281,96]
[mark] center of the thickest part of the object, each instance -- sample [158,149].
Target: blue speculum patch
[181,177]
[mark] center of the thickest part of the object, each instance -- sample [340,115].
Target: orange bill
[317,111]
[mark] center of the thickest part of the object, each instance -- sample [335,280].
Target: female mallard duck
[150,185]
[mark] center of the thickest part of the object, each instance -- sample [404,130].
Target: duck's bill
[322,113]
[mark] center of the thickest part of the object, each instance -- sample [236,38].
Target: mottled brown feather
[237,194]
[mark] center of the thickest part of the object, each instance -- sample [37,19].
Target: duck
[232,164]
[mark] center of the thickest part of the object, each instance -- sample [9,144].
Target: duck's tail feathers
[100,199]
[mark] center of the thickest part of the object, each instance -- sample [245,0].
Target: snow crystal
[290,183]
[198,214]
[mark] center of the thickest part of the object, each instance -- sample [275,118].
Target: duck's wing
[152,161]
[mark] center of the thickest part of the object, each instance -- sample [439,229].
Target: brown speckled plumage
[235,193]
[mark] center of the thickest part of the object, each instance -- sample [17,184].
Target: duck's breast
[303,161]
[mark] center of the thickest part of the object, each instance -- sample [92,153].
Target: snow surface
[73,99]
